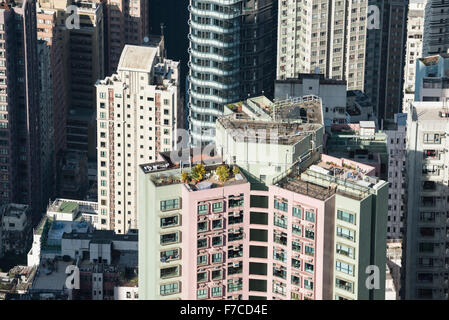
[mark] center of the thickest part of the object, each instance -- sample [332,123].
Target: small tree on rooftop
[198,172]
[223,173]
[235,170]
[185,177]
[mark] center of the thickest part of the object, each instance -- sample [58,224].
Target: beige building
[137,115]
[316,35]
[415,31]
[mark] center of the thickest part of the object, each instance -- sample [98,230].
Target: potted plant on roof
[185,177]
[198,172]
[235,170]
[223,173]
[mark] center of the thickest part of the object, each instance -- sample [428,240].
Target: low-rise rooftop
[329,176]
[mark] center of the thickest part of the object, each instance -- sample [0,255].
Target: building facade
[331,92]
[323,36]
[20,159]
[414,46]
[432,78]
[436,28]
[137,117]
[125,22]
[232,56]
[427,235]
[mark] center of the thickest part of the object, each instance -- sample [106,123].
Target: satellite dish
[146,39]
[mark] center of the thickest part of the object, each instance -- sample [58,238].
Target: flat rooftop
[51,276]
[174,160]
[306,109]
[325,177]
[283,133]
[137,58]
[429,111]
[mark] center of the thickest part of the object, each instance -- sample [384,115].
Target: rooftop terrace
[244,130]
[306,109]
[329,176]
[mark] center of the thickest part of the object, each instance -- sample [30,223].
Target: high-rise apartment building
[332,94]
[413,49]
[432,78]
[232,56]
[385,59]
[46,119]
[137,117]
[357,41]
[324,36]
[397,156]
[83,56]
[436,27]
[20,130]
[55,38]
[427,234]
[308,232]
[125,22]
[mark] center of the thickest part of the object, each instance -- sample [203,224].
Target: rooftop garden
[217,175]
[68,207]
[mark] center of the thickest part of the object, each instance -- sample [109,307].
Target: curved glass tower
[232,56]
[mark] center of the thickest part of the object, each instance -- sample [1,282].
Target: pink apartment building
[238,240]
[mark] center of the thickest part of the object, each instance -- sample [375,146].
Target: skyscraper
[427,235]
[414,45]
[125,22]
[323,36]
[137,116]
[232,56]
[436,27]
[20,116]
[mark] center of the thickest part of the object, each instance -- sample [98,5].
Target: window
[296,229]
[169,221]
[217,224]
[309,250]
[345,250]
[283,206]
[201,277]
[217,274]
[201,294]
[297,212]
[217,257]
[217,241]
[308,267]
[203,209]
[169,238]
[432,138]
[346,233]
[345,216]
[308,284]
[343,284]
[169,272]
[296,246]
[310,234]
[202,260]
[280,221]
[172,204]
[217,207]
[168,289]
[216,291]
[345,268]
[310,216]
[202,226]
[202,243]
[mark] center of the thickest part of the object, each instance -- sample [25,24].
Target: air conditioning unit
[236,264]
